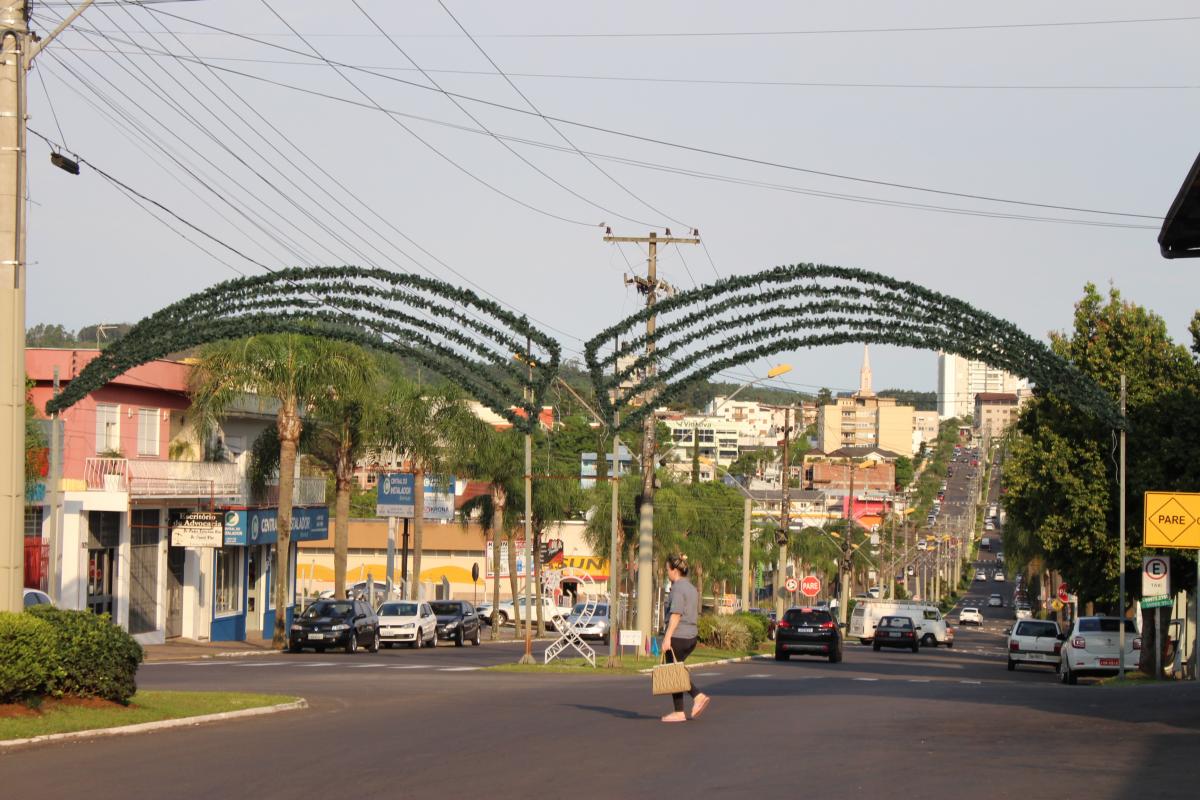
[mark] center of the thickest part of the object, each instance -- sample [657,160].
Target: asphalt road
[939,724]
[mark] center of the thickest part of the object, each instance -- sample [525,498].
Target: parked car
[349,624]
[895,632]
[32,597]
[457,621]
[1034,641]
[810,632]
[507,612]
[995,601]
[970,616]
[598,627]
[1092,647]
[407,622]
[1023,611]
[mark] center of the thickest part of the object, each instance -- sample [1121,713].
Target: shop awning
[1180,234]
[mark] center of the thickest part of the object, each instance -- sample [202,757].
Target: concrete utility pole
[649,286]
[1121,554]
[17,50]
[747,570]
[785,514]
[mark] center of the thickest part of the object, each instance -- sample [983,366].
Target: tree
[1061,477]
[426,425]
[824,397]
[44,335]
[35,442]
[297,372]
[904,472]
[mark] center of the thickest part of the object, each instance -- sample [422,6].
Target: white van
[931,625]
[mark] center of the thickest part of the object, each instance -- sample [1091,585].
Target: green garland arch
[469,340]
[738,320]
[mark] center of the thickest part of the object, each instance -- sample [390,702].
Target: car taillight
[1079,643]
[1058,648]
[783,624]
[1137,643]
[827,625]
[1014,647]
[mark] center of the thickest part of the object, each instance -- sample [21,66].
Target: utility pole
[529,559]
[1121,555]
[54,584]
[747,576]
[785,515]
[649,286]
[17,49]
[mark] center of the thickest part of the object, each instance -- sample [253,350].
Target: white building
[717,441]
[960,379]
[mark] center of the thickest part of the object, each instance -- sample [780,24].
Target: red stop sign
[1062,593]
[810,586]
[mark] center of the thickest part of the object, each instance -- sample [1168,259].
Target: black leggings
[680,650]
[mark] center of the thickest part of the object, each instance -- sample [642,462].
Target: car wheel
[475,638]
[374,648]
[915,648]
[352,642]
[929,640]
[419,641]
[459,640]
[294,648]
[875,647]
[1072,678]
[835,658]
[1012,665]
[782,656]
[501,619]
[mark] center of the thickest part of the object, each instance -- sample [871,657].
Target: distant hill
[921,401]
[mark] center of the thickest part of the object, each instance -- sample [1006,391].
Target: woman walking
[680,639]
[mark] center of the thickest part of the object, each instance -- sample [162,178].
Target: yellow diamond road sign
[1172,520]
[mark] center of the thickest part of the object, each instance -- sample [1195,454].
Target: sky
[998,100]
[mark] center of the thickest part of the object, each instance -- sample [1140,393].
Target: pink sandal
[699,705]
[675,716]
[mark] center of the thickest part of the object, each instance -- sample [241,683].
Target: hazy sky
[1068,115]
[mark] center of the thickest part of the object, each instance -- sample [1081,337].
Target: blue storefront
[243,569]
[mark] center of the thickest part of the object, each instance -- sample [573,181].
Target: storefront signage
[395,498]
[504,571]
[198,529]
[257,525]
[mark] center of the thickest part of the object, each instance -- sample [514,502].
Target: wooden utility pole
[785,516]
[649,286]
[17,49]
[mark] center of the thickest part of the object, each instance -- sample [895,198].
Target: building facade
[960,379]
[995,413]
[863,419]
[716,440]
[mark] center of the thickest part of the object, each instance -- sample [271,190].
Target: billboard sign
[396,490]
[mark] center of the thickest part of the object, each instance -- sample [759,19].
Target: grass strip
[146,706]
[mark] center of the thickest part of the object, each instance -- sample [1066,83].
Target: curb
[163,724]
[717,663]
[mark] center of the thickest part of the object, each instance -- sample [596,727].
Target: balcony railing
[170,479]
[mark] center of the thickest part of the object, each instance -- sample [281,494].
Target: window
[34,515]
[147,433]
[228,582]
[108,430]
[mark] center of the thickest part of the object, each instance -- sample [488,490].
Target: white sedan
[970,616]
[998,577]
[980,575]
[995,601]
[408,622]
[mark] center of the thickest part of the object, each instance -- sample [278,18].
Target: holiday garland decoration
[469,340]
[741,319]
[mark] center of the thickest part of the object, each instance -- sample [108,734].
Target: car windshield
[329,608]
[446,609]
[806,616]
[970,611]
[601,610]
[895,622]
[1037,629]
[398,610]
[1103,625]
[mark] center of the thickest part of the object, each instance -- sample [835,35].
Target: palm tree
[298,373]
[428,426]
[337,434]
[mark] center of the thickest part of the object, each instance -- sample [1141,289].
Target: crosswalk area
[259,665]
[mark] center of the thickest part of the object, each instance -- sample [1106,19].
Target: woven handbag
[670,678]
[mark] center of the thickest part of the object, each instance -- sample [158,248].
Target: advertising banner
[395,496]
[257,525]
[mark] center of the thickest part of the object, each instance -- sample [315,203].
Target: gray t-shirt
[685,601]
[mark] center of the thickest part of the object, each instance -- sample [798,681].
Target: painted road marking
[264,664]
[458,669]
[974,683]
[918,680]
[867,680]
[706,674]
[759,675]
[413,666]
[367,666]
[319,664]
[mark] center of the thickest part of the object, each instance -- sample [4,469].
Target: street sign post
[1156,576]
[791,584]
[810,586]
[1063,594]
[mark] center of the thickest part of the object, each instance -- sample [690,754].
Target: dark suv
[335,623]
[457,621]
[809,632]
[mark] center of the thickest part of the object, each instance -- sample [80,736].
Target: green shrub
[726,633]
[704,628]
[27,647]
[93,657]
[756,626]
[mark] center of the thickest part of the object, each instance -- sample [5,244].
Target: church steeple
[864,375]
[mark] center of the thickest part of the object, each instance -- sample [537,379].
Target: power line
[485,128]
[675,145]
[684,171]
[554,127]
[746,33]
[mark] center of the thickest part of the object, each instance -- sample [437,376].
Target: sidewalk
[190,650]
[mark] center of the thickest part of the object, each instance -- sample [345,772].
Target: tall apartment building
[864,420]
[717,440]
[995,413]
[960,379]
